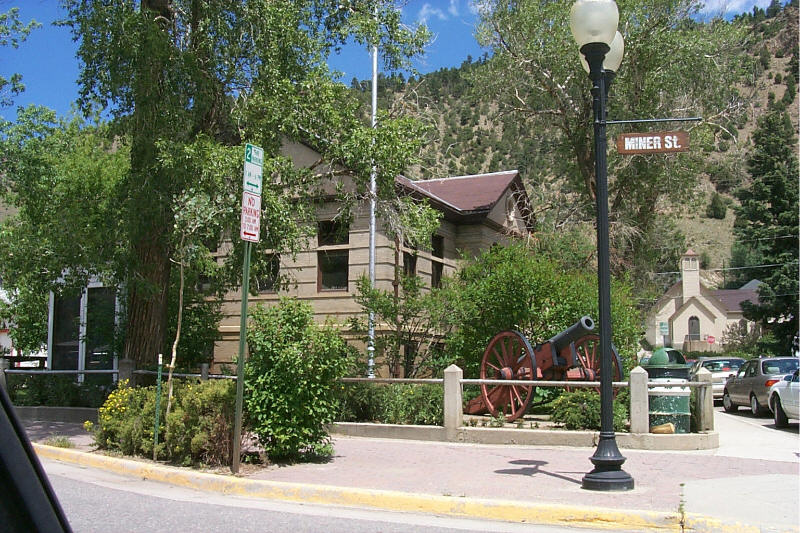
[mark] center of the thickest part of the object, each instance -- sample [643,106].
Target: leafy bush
[198,430]
[391,404]
[581,410]
[512,287]
[291,375]
[200,425]
[58,390]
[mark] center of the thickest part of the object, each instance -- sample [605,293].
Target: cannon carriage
[572,355]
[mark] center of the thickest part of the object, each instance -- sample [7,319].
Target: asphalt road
[743,435]
[99,501]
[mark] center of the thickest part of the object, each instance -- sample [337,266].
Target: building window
[332,272]
[333,256]
[332,233]
[409,264]
[437,263]
[268,281]
[694,328]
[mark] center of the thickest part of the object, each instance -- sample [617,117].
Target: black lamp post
[594,26]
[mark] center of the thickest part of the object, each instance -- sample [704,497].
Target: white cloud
[427,11]
[732,7]
[453,9]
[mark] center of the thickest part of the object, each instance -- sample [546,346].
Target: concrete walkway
[674,491]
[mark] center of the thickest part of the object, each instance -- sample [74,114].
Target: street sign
[652,143]
[251,217]
[252,178]
[711,339]
[254,154]
[663,328]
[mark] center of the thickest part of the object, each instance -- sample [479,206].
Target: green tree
[188,83]
[12,33]
[534,74]
[766,226]
[716,208]
[513,287]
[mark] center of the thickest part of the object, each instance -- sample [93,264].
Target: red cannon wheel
[508,356]
[589,361]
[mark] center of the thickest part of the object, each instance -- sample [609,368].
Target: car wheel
[728,404]
[781,420]
[755,407]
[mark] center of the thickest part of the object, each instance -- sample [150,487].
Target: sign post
[250,232]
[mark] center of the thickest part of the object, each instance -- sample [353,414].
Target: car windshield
[722,365]
[779,366]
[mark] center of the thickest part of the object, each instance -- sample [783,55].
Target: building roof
[473,196]
[468,193]
[732,298]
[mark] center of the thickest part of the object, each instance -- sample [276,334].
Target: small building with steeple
[693,317]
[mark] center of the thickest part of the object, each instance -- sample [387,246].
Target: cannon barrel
[577,330]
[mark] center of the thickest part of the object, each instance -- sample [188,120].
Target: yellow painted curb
[510,511]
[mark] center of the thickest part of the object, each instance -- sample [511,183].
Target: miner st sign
[652,143]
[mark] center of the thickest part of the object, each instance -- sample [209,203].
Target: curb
[511,511]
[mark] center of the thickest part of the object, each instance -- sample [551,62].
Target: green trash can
[669,404]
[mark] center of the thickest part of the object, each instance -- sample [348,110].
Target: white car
[784,399]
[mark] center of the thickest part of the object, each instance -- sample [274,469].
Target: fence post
[125,368]
[204,371]
[705,401]
[453,405]
[640,403]
[4,365]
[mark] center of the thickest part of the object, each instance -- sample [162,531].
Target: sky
[49,68]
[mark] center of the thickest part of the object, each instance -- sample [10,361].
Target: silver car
[751,384]
[721,368]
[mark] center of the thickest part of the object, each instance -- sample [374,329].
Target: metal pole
[372,197]
[607,474]
[158,408]
[237,426]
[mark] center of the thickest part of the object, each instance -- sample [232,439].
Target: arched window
[694,328]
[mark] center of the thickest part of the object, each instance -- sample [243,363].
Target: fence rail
[182,375]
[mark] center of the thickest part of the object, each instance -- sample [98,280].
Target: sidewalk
[702,490]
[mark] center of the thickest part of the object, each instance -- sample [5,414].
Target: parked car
[721,368]
[751,384]
[784,399]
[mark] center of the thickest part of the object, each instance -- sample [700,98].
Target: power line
[731,268]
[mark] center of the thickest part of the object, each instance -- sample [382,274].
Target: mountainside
[468,135]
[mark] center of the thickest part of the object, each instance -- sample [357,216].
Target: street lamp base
[607,474]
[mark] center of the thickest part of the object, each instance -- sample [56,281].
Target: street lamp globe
[593,21]
[613,58]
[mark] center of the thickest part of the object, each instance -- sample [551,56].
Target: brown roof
[732,298]
[477,192]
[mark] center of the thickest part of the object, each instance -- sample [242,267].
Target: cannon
[572,355]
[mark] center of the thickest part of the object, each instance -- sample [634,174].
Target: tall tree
[187,83]
[673,67]
[12,33]
[766,226]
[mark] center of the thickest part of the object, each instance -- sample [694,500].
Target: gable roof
[471,198]
[732,298]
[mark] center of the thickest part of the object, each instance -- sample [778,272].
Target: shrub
[391,404]
[514,287]
[58,390]
[581,410]
[200,425]
[198,430]
[291,375]
[716,208]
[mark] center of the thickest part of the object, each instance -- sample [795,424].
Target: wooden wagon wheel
[508,356]
[590,361]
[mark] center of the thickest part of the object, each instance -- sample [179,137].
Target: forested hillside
[469,132]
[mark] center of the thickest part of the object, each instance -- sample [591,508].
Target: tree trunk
[147,304]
